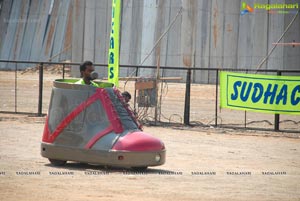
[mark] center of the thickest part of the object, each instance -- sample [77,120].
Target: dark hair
[84,65]
[126,93]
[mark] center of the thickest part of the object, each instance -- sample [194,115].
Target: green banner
[261,93]
[113,52]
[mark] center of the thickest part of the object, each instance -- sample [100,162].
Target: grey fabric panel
[94,120]
[62,103]
[70,138]
[84,127]
[106,142]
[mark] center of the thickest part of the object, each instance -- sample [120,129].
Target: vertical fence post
[63,71]
[187,97]
[245,119]
[277,117]
[216,104]
[16,83]
[41,72]
[134,100]
[245,112]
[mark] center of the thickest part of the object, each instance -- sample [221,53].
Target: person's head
[85,70]
[127,96]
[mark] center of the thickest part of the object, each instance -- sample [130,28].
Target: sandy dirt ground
[202,163]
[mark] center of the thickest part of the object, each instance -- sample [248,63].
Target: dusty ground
[271,168]
[243,165]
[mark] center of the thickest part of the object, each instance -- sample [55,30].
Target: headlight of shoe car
[157,158]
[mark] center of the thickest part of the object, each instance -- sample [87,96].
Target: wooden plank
[287,44]
[145,85]
[136,78]
[170,78]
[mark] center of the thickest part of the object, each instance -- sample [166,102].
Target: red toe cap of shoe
[138,141]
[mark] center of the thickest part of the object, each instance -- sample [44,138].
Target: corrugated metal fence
[207,34]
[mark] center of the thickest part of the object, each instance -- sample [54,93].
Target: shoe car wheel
[57,162]
[143,168]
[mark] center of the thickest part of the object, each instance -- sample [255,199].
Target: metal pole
[156,102]
[41,71]
[63,71]
[245,119]
[277,117]
[134,101]
[216,105]
[245,113]
[187,97]
[156,87]
[16,69]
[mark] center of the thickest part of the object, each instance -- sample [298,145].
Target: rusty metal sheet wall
[131,37]
[48,38]
[102,15]
[9,38]
[40,31]
[4,16]
[126,28]
[66,49]
[77,33]
[89,30]
[218,36]
[20,29]
[173,52]
[29,36]
[291,55]
[252,42]
[60,29]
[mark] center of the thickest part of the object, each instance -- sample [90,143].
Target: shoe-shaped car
[94,125]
